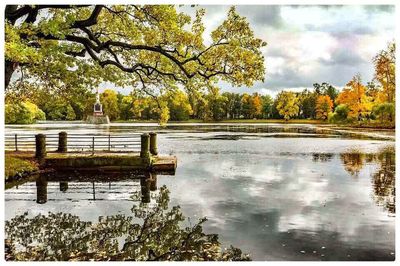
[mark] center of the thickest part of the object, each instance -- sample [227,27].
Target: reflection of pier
[147,181]
[41,190]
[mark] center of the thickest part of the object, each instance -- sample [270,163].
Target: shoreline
[390,128]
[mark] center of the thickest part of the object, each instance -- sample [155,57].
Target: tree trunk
[9,70]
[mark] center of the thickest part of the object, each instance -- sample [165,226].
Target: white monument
[97,107]
[98,117]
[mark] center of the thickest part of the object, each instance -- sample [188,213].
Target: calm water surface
[277,192]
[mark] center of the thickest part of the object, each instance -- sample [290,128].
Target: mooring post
[62,141]
[40,145]
[144,146]
[16,142]
[153,143]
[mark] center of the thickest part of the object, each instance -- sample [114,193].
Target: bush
[23,113]
[59,110]
[385,112]
[340,114]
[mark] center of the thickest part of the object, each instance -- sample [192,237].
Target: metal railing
[76,142]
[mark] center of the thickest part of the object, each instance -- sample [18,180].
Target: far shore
[368,125]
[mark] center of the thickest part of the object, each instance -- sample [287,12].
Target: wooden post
[16,143]
[62,141]
[40,146]
[109,142]
[144,146]
[153,143]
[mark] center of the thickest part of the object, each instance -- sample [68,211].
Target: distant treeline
[371,102]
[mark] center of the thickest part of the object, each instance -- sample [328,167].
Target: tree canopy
[150,47]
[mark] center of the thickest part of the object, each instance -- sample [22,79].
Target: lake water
[278,192]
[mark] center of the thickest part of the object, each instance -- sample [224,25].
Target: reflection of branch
[183,247]
[160,237]
[139,237]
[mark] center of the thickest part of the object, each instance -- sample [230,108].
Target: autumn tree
[216,104]
[59,110]
[23,113]
[233,105]
[125,108]
[326,89]
[385,71]
[267,103]
[255,106]
[307,103]
[151,46]
[178,105]
[323,107]
[245,105]
[354,96]
[109,101]
[287,104]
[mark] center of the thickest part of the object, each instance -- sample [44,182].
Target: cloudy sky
[309,44]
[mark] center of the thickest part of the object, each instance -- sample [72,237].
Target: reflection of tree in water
[158,236]
[353,162]
[322,157]
[384,180]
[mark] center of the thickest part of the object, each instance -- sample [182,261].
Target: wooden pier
[105,160]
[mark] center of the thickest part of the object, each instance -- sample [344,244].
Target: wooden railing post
[40,140]
[144,146]
[62,141]
[109,142]
[93,146]
[153,143]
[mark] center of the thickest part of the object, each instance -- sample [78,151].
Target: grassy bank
[17,167]
[368,124]
[253,121]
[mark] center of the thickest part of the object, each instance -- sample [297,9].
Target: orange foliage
[323,107]
[354,96]
[255,105]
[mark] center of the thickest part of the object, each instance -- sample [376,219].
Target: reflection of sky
[264,195]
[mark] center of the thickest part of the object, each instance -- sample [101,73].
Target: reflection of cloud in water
[316,199]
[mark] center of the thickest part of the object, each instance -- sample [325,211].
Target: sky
[309,44]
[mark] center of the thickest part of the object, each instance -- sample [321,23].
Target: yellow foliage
[354,96]
[323,107]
